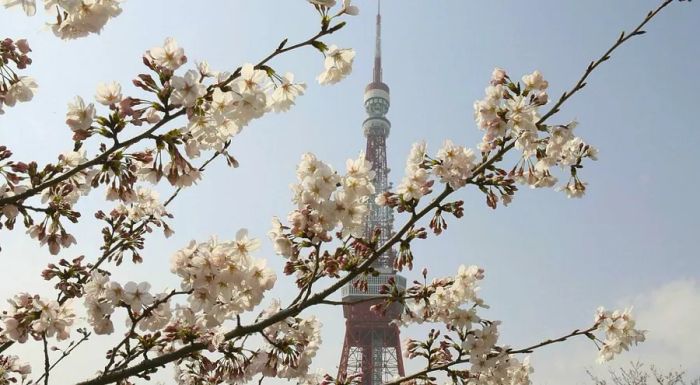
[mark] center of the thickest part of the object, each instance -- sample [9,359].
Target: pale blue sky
[550,261]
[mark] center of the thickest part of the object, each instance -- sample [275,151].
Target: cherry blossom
[80,116]
[21,90]
[338,65]
[170,55]
[187,89]
[283,97]
[12,370]
[109,93]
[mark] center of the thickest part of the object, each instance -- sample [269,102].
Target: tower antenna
[378,46]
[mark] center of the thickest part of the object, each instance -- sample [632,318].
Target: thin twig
[594,64]
[66,353]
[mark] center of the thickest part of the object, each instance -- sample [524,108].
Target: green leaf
[319,45]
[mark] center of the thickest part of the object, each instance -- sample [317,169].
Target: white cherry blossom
[80,116]
[21,90]
[109,93]
[137,295]
[170,55]
[338,65]
[283,97]
[187,89]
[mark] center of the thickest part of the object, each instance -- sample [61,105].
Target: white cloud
[671,313]
[672,316]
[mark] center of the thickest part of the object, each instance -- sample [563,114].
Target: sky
[550,261]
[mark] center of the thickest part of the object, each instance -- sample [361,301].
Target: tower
[372,346]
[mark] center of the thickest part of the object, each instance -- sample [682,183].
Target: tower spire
[378,47]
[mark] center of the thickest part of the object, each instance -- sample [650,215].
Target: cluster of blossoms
[13,87]
[251,95]
[102,296]
[507,110]
[13,371]
[37,317]
[74,187]
[338,61]
[416,183]
[441,302]
[477,339]
[135,204]
[510,111]
[73,18]
[143,203]
[453,165]
[326,199]
[287,352]
[291,346]
[328,204]
[216,111]
[619,330]
[222,278]
[10,187]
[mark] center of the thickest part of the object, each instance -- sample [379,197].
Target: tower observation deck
[372,346]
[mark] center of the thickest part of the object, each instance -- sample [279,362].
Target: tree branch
[459,361]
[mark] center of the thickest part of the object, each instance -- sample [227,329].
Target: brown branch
[95,161]
[575,333]
[364,300]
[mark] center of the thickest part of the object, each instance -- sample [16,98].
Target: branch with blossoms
[74,275]
[323,236]
[327,201]
[215,113]
[470,339]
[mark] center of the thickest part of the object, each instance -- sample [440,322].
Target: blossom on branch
[338,65]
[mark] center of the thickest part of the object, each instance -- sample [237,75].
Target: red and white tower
[372,346]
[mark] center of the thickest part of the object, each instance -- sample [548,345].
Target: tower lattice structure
[372,345]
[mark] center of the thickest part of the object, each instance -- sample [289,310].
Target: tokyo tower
[372,345]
